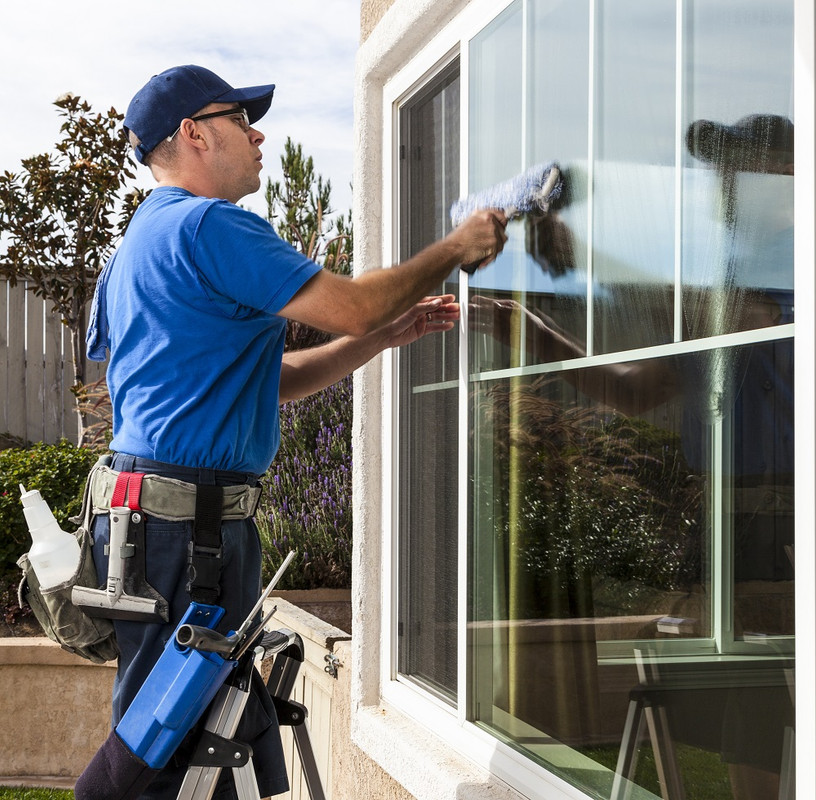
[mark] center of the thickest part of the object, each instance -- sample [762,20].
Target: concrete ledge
[67,713]
[426,767]
[55,709]
[307,625]
[42,652]
[331,605]
[38,782]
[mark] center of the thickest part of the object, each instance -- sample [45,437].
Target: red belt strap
[127,484]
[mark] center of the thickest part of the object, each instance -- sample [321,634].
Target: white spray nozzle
[29,498]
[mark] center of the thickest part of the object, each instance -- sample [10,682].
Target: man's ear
[193,134]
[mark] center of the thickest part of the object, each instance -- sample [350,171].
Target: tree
[299,209]
[62,214]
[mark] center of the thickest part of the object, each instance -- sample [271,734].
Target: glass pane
[633,212]
[428,405]
[558,104]
[495,100]
[738,184]
[544,265]
[627,555]
[762,502]
[631,588]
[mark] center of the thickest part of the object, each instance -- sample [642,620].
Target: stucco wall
[423,764]
[371,12]
[355,774]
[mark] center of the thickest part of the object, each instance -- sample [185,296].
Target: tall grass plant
[306,501]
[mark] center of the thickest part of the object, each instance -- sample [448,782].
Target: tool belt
[73,615]
[177,501]
[172,499]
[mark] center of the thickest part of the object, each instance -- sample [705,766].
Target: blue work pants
[141,643]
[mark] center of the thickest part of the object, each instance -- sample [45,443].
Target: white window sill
[421,762]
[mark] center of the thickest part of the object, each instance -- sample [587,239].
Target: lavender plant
[306,505]
[306,502]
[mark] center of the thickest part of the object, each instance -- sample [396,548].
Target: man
[193,308]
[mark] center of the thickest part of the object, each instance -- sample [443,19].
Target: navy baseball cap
[158,108]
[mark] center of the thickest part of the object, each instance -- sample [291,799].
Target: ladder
[217,749]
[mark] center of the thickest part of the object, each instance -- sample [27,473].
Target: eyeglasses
[239,115]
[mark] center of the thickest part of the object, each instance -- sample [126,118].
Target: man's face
[235,155]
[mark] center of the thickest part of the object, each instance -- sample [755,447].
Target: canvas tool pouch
[62,621]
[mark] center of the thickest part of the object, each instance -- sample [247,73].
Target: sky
[106,51]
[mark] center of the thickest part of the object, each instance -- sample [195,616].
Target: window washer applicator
[531,192]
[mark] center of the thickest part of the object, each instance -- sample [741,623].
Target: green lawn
[21,793]
[704,774]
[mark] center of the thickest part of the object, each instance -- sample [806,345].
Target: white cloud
[105,52]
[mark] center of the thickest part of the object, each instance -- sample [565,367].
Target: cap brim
[255,99]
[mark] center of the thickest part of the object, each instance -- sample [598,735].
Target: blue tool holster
[175,695]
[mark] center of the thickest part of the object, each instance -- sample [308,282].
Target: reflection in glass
[496,100]
[737,238]
[631,528]
[633,245]
[596,580]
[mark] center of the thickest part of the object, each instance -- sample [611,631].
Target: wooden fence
[36,403]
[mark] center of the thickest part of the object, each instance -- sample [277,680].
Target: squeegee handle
[205,639]
[245,625]
[117,551]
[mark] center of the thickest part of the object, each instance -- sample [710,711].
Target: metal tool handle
[259,605]
[117,551]
[237,643]
[206,640]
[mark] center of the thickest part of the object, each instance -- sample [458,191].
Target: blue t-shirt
[188,308]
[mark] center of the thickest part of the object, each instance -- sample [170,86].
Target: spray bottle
[54,554]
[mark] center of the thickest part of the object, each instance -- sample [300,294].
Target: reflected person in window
[751,386]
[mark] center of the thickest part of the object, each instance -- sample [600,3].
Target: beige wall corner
[356,775]
[371,12]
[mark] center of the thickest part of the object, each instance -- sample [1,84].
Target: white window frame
[397,690]
[411,714]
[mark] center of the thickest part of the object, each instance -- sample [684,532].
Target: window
[428,402]
[628,398]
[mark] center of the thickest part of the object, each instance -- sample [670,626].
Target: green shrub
[58,471]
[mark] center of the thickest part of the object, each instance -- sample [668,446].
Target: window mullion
[462,673]
[678,184]
[593,24]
